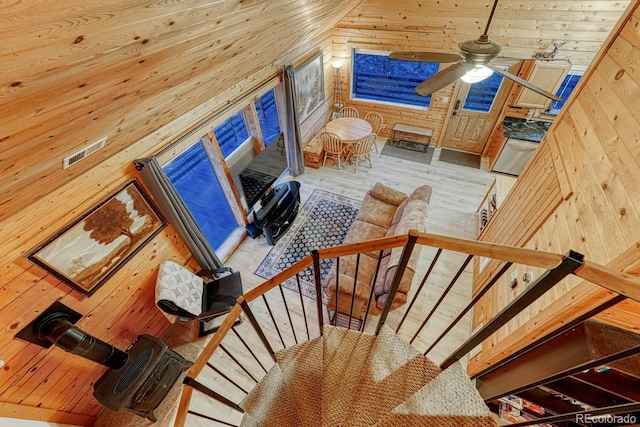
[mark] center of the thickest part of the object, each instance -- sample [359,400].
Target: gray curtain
[295,151]
[177,212]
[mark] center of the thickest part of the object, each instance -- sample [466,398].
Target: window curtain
[295,151]
[177,212]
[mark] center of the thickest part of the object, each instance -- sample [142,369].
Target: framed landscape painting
[87,252]
[309,81]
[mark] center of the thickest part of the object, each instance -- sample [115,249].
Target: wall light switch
[445,99]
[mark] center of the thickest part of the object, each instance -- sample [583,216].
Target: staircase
[342,377]
[348,378]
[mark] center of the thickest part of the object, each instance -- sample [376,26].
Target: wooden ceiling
[74,71]
[522,27]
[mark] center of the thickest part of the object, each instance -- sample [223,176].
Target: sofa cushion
[387,194]
[361,231]
[376,211]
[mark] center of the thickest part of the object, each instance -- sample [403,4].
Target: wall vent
[89,149]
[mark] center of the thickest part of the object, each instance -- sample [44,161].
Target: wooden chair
[377,124]
[348,112]
[333,147]
[362,150]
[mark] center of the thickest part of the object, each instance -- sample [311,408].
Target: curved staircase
[348,378]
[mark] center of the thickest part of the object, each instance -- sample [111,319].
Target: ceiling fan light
[477,74]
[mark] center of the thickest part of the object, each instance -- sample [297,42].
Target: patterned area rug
[408,150]
[322,222]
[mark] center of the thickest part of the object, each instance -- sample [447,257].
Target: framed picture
[87,252]
[309,81]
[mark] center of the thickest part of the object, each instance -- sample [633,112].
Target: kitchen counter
[525,129]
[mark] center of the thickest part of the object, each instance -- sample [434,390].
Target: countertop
[525,129]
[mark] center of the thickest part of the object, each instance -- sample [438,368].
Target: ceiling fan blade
[524,83]
[426,56]
[443,78]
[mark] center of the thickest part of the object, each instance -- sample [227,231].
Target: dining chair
[362,150]
[348,112]
[377,124]
[333,147]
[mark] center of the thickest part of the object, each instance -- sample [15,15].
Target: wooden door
[476,109]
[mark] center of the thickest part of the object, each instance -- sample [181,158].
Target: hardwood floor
[457,191]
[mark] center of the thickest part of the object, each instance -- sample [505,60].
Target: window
[231,133]
[568,84]
[378,78]
[268,117]
[481,95]
[193,177]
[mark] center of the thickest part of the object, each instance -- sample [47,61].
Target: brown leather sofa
[385,212]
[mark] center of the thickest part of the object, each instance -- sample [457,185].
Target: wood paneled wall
[522,28]
[142,73]
[592,153]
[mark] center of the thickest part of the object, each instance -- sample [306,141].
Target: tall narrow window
[192,174]
[268,117]
[376,77]
[231,133]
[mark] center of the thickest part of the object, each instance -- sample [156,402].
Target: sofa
[385,212]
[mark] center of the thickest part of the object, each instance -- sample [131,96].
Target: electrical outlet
[527,277]
[445,99]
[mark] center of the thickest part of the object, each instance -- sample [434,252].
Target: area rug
[460,158]
[408,150]
[322,222]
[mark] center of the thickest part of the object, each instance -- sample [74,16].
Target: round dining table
[349,129]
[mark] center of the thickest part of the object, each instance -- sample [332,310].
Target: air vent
[89,149]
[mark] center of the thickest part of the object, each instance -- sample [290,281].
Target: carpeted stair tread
[301,367]
[449,399]
[249,421]
[345,355]
[394,372]
[269,403]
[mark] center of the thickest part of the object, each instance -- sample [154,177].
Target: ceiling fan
[472,64]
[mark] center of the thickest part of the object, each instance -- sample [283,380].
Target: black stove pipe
[57,329]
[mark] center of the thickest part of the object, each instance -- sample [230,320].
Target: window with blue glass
[193,177]
[482,94]
[231,133]
[568,85]
[378,78]
[268,117]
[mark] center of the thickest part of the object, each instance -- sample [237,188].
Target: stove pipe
[57,329]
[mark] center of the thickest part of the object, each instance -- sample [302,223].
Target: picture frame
[93,247]
[309,85]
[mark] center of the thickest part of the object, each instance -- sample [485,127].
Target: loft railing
[276,329]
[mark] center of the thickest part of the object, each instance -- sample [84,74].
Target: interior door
[477,106]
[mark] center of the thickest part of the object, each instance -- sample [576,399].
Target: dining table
[349,129]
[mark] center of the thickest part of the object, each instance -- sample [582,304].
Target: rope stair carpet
[347,378]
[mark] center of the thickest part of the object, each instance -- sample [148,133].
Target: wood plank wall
[142,73]
[522,28]
[592,152]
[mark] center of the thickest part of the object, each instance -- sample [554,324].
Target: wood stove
[138,379]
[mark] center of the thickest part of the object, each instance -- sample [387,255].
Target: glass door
[193,176]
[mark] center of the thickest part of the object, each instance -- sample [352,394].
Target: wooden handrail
[614,280]
[362,247]
[531,257]
[278,279]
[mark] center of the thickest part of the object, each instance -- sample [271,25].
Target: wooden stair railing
[558,266]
